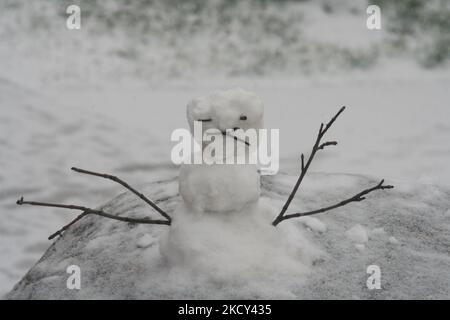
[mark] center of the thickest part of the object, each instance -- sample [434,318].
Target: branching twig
[127,186]
[60,231]
[86,210]
[304,168]
[317,146]
[326,144]
[356,198]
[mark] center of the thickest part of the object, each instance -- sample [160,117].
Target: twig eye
[243,118]
[205,120]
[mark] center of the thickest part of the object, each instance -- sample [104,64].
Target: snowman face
[227,110]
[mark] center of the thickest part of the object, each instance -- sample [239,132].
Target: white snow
[239,247]
[222,229]
[211,187]
[146,241]
[393,240]
[225,109]
[377,232]
[357,234]
[217,187]
[314,224]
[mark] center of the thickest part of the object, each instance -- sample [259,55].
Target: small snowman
[224,184]
[222,226]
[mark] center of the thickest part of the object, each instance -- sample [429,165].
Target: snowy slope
[407,235]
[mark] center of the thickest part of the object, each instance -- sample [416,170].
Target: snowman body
[221,234]
[224,187]
[219,188]
[222,229]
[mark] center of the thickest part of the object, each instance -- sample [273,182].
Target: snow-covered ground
[70,99]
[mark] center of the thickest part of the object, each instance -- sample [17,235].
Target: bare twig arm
[127,186]
[356,198]
[60,231]
[317,146]
[87,211]
[304,168]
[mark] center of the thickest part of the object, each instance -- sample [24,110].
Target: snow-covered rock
[312,265]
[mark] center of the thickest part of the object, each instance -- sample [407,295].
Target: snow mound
[357,234]
[238,248]
[126,261]
[313,224]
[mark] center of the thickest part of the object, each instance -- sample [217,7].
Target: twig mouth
[225,133]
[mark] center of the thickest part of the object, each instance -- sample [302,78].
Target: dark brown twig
[235,138]
[356,198]
[86,210]
[127,186]
[326,144]
[317,146]
[304,168]
[60,231]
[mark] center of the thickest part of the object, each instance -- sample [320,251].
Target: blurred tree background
[171,39]
[420,27]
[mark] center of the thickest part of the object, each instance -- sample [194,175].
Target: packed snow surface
[219,187]
[213,186]
[357,234]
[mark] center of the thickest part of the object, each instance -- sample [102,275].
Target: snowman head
[227,110]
